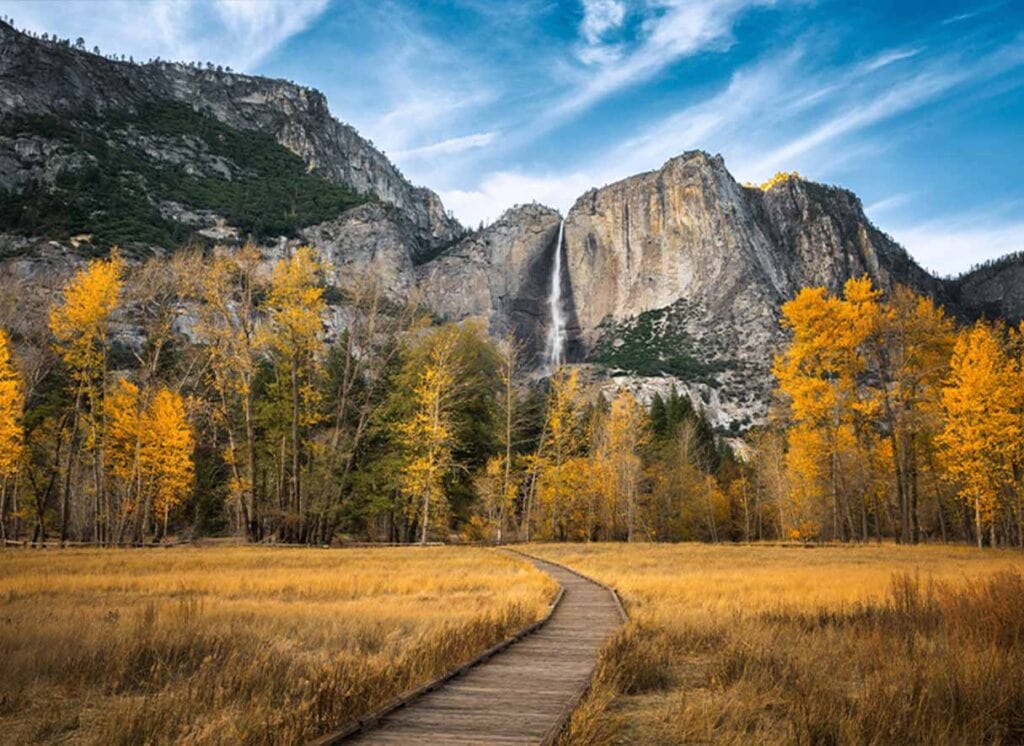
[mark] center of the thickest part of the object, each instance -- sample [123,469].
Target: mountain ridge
[673,276]
[47,77]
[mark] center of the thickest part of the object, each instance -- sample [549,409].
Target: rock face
[40,77]
[500,274]
[372,240]
[681,272]
[994,290]
[671,278]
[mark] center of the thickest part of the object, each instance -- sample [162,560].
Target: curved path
[524,694]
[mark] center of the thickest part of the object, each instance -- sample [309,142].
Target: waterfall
[556,332]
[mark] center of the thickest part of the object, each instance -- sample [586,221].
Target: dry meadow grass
[758,644]
[239,644]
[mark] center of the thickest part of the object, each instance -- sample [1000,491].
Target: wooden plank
[523,692]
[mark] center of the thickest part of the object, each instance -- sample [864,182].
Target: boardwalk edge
[563,720]
[371,720]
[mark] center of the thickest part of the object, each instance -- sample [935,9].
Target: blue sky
[918,107]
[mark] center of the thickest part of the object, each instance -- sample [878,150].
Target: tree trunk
[915,518]
[977,521]
[250,459]
[3,513]
[426,517]
[97,497]
[296,478]
[942,518]
[69,466]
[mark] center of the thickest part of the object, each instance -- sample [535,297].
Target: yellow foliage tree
[624,432]
[818,375]
[559,443]
[80,322]
[982,423]
[497,487]
[165,459]
[149,452]
[428,434]
[12,434]
[907,360]
[780,177]
[12,404]
[232,331]
[80,325]
[297,306]
[124,434]
[859,368]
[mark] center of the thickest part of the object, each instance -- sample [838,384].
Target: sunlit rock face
[668,278]
[680,273]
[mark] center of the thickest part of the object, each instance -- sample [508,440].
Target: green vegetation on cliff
[107,174]
[655,343]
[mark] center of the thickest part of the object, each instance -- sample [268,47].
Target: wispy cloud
[888,98]
[888,58]
[673,29]
[230,32]
[755,94]
[782,111]
[951,245]
[451,146]
[886,204]
[959,17]
[600,19]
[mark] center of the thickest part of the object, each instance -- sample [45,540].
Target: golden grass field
[844,644]
[239,644]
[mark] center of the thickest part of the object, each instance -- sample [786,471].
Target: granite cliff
[46,79]
[670,278]
[680,273]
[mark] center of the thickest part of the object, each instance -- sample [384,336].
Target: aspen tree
[296,303]
[80,323]
[981,426]
[12,403]
[12,435]
[908,356]
[559,443]
[428,433]
[509,362]
[814,372]
[166,453]
[232,332]
[625,433]
[124,442]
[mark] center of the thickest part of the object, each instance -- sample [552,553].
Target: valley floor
[725,643]
[836,644]
[239,644]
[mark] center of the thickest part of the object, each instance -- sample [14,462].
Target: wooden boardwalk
[523,694]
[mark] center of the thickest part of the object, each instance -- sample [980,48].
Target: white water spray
[556,332]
